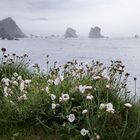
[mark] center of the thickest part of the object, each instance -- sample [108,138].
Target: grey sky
[115,17]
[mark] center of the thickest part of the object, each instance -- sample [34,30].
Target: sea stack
[95,32]
[136,36]
[10,30]
[70,33]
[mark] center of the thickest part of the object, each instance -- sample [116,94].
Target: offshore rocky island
[9,29]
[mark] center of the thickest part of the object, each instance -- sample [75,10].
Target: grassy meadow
[75,101]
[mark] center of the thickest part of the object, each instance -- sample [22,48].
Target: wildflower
[14,54]
[28,81]
[84,111]
[107,86]
[15,74]
[96,77]
[3,50]
[71,118]
[65,97]
[47,89]
[109,108]
[15,83]
[53,105]
[135,78]
[19,78]
[102,106]
[13,78]
[6,81]
[120,69]
[127,74]
[88,87]
[4,62]
[22,86]
[61,78]
[50,81]
[22,98]
[84,132]
[5,55]
[106,77]
[57,81]
[60,99]
[97,137]
[128,105]
[89,97]
[6,91]
[53,97]
[82,89]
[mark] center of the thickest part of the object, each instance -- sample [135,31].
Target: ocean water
[84,49]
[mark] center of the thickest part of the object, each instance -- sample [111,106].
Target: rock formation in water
[10,30]
[70,33]
[136,36]
[95,32]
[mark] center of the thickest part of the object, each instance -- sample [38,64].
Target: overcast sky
[45,17]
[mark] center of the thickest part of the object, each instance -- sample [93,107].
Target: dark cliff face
[70,33]
[95,33]
[9,28]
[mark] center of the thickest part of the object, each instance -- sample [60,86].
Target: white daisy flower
[107,86]
[53,97]
[96,77]
[84,132]
[97,137]
[6,91]
[71,118]
[65,97]
[82,89]
[15,83]
[102,106]
[15,74]
[47,89]
[61,78]
[6,81]
[53,105]
[89,97]
[128,105]
[22,86]
[19,78]
[109,108]
[28,81]
[57,81]
[88,87]
[22,98]
[84,111]
[50,81]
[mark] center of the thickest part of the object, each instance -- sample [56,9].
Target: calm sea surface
[62,50]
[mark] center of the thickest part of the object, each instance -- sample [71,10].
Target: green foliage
[75,102]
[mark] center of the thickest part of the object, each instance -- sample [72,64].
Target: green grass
[26,111]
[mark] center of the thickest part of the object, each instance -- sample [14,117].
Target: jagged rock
[10,30]
[52,35]
[136,36]
[5,35]
[95,32]
[70,33]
